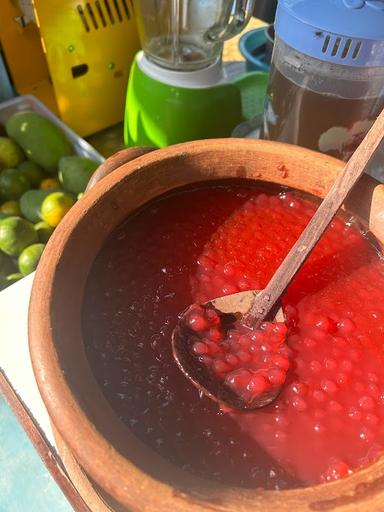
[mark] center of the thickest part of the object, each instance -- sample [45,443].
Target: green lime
[13,183]
[44,231]
[55,206]
[6,266]
[30,203]
[10,207]
[30,257]
[11,154]
[13,278]
[32,171]
[16,234]
[75,172]
[49,183]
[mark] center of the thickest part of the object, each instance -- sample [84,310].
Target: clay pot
[127,472]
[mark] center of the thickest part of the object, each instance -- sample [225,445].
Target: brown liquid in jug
[323,122]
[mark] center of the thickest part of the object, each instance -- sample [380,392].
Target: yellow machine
[75,56]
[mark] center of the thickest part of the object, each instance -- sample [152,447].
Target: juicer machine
[179,89]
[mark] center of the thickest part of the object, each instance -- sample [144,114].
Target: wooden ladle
[252,307]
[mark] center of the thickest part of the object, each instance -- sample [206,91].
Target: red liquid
[330,417]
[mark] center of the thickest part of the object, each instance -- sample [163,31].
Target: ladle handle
[343,184]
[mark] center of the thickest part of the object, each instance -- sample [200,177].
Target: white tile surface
[14,352]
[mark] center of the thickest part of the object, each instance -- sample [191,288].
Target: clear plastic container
[189,35]
[28,102]
[318,104]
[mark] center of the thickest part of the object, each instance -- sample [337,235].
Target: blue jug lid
[346,32]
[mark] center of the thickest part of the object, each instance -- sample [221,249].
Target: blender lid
[347,32]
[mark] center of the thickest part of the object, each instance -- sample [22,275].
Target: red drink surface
[201,243]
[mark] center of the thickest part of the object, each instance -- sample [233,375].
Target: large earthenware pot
[128,473]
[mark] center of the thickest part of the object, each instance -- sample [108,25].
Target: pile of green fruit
[40,180]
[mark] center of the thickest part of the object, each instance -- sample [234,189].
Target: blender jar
[186,34]
[326,84]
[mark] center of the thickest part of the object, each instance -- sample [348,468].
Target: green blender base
[159,115]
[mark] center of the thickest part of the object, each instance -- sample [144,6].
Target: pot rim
[102,462]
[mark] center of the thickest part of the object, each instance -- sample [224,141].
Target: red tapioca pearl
[367,403]
[299,404]
[215,334]
[228,289]
[337,352]
[355,355]
[319,396]
[342,379]
[231,359]
[324,323]
[334,407]
[336,470]
[200,348]
[372,377]
[276,376]
[340,342]
[238,379]
[299,388]
[330,364]
[366,435]
[279,329]
[329,386]
[300,364]
[243,284]
[315,366]
[346,326]
[197,322]
[245,341]
[234,336]
[220,367]
[295,342]
[218,281]
[203,278]
[358,386]
[229,270]
[371,419]
[290,313]
[263,347]
[235,347]
[355,414]
[346,365]
[244,357]
[257,385]
[309,343]
[281,362]
[318,334]
[213,348]
[373,390]
[205,263]
[206,360]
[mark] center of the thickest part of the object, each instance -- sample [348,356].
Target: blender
[178,88]
[326,84]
